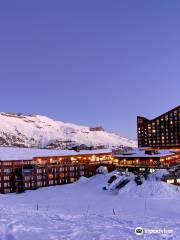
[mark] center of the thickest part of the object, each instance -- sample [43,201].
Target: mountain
[42,132]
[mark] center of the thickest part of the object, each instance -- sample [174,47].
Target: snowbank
[82,179]
[153,187]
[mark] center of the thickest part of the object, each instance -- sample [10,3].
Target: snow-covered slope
[82,210]
[41,131]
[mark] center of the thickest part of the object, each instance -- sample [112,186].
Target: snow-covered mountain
[43,132]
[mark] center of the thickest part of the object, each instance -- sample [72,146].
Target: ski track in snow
[42,225]
[84,211]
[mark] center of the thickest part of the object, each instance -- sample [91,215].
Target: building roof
[15,153]
[142,153]
[151,120]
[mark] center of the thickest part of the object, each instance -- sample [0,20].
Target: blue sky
[90,62]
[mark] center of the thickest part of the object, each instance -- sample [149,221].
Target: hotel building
[148,158]
[161,132]
[28,169]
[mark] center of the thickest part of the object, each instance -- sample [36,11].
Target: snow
[82,179]
[40,131]
[152,187]
[82,210]
[15,153]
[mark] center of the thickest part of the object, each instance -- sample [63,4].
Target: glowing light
[116,160]
[93,158]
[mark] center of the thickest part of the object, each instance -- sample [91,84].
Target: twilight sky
[90,62]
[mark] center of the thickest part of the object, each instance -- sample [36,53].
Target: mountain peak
[17,129]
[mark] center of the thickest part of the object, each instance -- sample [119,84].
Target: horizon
[90,63]
[108,130]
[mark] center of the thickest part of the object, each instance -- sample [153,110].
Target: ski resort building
[161,132]
[23,169]
[149,158]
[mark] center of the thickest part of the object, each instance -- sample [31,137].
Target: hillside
[43,132]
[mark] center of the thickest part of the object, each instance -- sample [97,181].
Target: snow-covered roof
[15,153]
[142,153]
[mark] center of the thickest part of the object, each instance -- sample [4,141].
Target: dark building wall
[160,132]
[21,175]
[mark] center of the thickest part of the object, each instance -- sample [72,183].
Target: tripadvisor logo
[139,231]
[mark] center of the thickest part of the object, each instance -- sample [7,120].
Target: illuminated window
[170,180]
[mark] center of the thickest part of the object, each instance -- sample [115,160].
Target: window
[27,178]
[39,170]
[7,190]
[7,163]
[170,180]
[50,176]
[7,170]
[6,178]
[61,175]
[7,184]
[39,184]
[27,185]
[72,179]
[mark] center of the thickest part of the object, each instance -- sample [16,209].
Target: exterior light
[39,160]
